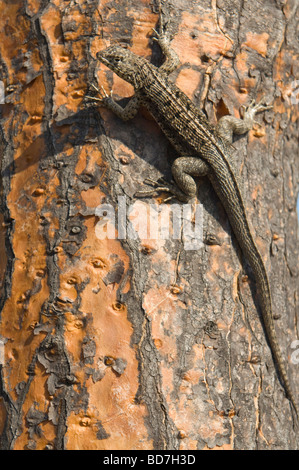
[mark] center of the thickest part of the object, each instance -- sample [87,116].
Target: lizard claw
[156,32]
[253,108]
[102,92]
[160,38]
[263,105]
[161,186]
[161,35]
[150,182]
[155,184]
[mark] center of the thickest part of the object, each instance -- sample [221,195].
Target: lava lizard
[204,149]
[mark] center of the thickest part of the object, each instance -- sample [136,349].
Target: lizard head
[121,61]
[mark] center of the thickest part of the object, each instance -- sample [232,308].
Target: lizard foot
[161,35]
[255,108]
[104,97]
[162,186]
[162,38]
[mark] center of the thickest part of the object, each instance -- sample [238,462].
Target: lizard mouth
[102,58]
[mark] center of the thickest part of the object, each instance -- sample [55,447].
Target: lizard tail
[263,289]
[226,187]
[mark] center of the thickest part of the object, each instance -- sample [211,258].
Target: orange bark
[85,345]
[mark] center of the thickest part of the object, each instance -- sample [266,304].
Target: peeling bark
[137,343]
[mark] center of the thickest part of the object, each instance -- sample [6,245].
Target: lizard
[204,150]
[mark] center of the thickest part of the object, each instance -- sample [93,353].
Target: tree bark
[138,343]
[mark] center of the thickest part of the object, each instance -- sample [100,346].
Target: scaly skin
[205,150]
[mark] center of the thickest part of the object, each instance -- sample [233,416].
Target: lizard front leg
[172,60]
[126,113]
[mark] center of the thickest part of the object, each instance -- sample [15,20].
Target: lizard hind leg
[184,169]
[229,125]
